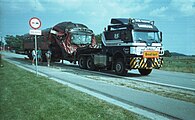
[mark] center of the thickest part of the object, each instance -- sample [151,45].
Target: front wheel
[119,67]
[145,71]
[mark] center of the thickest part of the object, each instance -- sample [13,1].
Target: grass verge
[179,64]
[24,96]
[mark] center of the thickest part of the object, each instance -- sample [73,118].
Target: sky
[175,18]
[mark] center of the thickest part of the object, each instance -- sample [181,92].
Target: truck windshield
[146,36]
[80,39]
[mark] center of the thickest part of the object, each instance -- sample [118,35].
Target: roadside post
[35,24]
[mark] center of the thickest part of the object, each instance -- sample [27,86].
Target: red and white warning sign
[35,23]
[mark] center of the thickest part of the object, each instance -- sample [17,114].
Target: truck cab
[133,44]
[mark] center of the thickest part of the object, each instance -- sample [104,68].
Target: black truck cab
[133,44]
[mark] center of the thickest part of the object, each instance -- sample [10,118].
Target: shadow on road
[75,68]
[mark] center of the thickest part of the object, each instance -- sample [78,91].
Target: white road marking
[193,80]
[161,84]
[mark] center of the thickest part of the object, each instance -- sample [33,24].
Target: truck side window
[126,35]
[123,35]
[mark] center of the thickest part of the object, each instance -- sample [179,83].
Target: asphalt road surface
[186,80]
[171,108]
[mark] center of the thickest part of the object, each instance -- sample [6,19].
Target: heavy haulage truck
[126,44]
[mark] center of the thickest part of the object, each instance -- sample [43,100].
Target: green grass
[179,64]
[23,96]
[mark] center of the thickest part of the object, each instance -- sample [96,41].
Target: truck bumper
[144,63]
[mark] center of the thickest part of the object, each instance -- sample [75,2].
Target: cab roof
[136,24]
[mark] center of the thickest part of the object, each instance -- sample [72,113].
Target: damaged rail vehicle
[126,44]
[62,40]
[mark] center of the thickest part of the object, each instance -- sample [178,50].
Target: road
[186,80]
[171,108]
[174,78]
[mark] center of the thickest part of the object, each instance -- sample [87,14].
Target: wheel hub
[118,67]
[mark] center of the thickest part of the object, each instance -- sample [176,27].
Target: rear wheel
[82,62]
[44,59]
[145,71]
[119,67]
[90,63]
[29,54]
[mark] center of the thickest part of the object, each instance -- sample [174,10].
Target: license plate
[151,54]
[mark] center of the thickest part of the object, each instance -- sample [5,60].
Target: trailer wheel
[29,55]
[90,63]
[82,62]
[44,59]
[119,67]
[145,72]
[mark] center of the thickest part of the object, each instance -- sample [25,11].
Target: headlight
[137,50]
[132,50]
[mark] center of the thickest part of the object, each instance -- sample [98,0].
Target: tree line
[14,42]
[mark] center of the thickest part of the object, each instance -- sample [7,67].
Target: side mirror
[160,36]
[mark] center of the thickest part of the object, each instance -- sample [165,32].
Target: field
[179,64]
[24,96]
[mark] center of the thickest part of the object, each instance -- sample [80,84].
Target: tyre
[44,59]
[119,67]
[82,62]
[29,55]
[145,71]
[90,64]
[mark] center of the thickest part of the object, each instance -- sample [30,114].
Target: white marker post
[35,23]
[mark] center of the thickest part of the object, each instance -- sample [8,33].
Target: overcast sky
[175,18]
